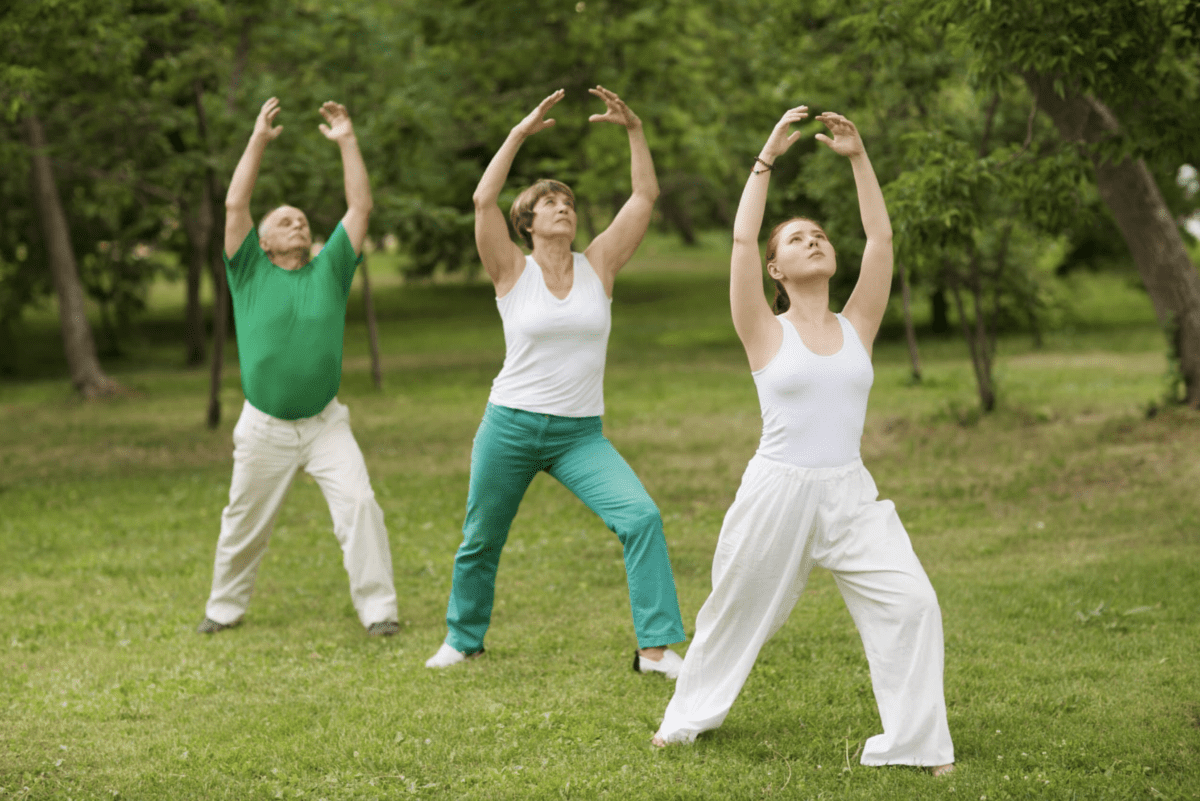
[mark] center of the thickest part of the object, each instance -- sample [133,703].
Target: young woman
[805,497]
[545,405]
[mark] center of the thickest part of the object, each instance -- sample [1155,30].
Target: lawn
[1062,534]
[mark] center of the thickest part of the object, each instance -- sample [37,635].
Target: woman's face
[553,216]
[802,251]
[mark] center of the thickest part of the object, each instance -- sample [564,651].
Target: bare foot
[658,742]
[942,770]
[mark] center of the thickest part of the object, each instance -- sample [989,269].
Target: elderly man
[291,315]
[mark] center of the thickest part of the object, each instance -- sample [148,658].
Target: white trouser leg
[896,612]
[760,568]
[336,462]
[265,458]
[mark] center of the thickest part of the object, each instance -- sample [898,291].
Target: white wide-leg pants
[267,452]
[784,520]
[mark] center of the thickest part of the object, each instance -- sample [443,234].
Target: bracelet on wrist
[766,167]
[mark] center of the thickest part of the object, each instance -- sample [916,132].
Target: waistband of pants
[806,473]
[515,413]
[250,410]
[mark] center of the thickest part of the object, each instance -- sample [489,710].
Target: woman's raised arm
[614,247]
[752,317]
[500,256]
[869,299]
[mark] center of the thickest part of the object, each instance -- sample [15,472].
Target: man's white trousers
[267,452]
[784,520]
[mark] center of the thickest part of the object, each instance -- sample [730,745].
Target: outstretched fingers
[616,110]
[535,120]
[338,120]
[780,139]
[266,119]
[846,140]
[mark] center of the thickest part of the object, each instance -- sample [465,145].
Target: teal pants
[510,448]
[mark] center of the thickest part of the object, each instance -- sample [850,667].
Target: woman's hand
[616,112]
[536,121]
[780,140]
[339,121]
[266,118]
[845,141]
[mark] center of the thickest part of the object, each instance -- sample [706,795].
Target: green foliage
[1060,534]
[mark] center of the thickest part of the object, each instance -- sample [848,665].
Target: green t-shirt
[290,325]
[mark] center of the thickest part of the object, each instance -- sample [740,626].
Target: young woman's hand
[535,121]
[845,141]
[780,140]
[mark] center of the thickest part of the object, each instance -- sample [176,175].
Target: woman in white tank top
[544,409]
[806,498]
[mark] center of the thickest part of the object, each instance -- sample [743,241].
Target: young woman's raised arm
[614,247]
[869,299]
[500,256]
[752,317]
[238,221]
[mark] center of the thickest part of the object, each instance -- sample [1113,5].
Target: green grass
[1062,534]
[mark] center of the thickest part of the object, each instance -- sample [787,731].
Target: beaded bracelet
[768,167]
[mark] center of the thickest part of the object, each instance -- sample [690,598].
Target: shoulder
[339,249]
[248,254]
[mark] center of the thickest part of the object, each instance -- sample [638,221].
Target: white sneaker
[447,656]
[669,665]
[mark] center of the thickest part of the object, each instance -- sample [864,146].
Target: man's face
[286,229]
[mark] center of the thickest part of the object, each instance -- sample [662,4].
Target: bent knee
[639,519]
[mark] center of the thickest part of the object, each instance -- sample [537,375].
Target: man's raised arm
[238,221]
[358,186]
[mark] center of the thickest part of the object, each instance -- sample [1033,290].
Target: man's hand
[339,126]
[266,118]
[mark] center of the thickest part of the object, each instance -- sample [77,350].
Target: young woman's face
[803,251]
[286,230]
[553,216]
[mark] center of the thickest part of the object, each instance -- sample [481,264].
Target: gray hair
[262,225]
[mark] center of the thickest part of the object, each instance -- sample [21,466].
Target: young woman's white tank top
[814,407]
[555,348]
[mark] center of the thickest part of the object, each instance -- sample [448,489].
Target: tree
[1121,82]
[68,47]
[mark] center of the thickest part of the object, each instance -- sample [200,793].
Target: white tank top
[555,348]
[814,407]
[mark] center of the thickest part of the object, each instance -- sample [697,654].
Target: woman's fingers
[551,99]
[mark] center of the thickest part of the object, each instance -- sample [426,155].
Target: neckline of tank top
[542,276]
[843,323]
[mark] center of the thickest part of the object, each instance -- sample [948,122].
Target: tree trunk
[910,332]
[87,375]
[976,344]
[372,328]
[1133,197]
[940,319]
[198,226]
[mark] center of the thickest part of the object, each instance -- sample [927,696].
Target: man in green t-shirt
[291,315]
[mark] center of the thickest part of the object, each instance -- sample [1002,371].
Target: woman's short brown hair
[782,301]
[521,213]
